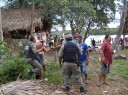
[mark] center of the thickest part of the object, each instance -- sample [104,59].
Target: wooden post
[1,32]
[32,16]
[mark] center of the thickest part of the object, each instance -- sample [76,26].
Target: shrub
[3,48]
[13,68]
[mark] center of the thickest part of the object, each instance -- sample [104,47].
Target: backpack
[70,53]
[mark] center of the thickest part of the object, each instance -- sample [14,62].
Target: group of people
[73,57]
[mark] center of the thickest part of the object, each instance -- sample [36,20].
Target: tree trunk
[120,30]
[71,25]
[87,32]
[1,32]
[32,26]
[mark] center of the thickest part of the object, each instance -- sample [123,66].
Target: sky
[1,3]
[113,24]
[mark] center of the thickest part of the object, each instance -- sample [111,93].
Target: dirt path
[37,87]
[29,87]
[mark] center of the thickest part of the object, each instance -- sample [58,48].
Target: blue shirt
[84,48]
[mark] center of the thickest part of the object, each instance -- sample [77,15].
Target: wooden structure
[17,23]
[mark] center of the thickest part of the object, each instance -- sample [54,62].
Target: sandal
[105,83]
[99,85]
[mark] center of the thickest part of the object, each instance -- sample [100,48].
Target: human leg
[104,72]
[37,66]
[83,69]
[77,74]
[66,72]
[100,80]
[107,71]
[43,62]
[101,75]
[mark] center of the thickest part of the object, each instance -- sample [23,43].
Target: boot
[67,89]
[39,75]
[30,74]
[81,89]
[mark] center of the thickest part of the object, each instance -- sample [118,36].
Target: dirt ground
[39,87]
[36,87]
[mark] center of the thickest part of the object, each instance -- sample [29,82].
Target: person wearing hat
[74,35]
[69,53]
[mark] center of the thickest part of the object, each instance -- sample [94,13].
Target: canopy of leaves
[77,13]
[59,11]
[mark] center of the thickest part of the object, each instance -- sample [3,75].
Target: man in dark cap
[69,53]
[74,36]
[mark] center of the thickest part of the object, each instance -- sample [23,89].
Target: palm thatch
[14,19]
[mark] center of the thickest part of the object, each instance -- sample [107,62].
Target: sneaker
[99,85]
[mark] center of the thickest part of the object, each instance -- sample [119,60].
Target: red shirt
[106,47]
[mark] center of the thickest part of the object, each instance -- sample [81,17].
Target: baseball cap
[68,36]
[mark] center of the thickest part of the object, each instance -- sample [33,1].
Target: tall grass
[54,74]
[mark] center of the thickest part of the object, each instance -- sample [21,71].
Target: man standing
[106,59]
[84,57]
[69,52]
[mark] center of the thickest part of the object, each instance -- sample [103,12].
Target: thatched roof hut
[14,19]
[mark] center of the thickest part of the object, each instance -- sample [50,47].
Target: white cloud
[2,3]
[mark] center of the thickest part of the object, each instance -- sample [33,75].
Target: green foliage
[78,13]
[121,68]
[54,73]
[13,68]
[3,48]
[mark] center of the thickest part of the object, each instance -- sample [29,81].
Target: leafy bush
[3,48]
[13,68]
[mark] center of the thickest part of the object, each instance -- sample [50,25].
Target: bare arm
[60,54]
[102,56]
[46,49]
[60,60]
